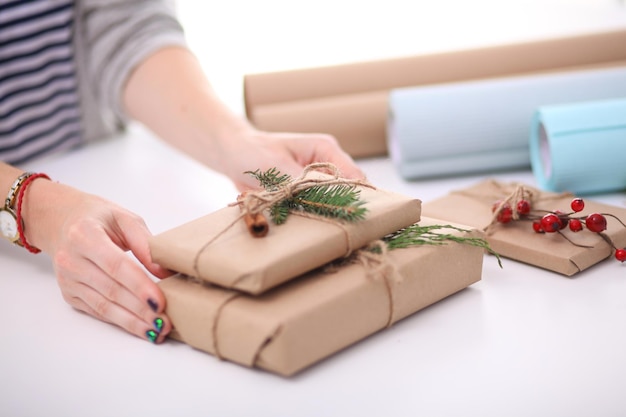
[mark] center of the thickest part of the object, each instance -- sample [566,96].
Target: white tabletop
[521,342]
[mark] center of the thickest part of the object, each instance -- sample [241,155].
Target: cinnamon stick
[256,223]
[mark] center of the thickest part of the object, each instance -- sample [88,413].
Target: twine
[255,202]
[375,261]
[510,194]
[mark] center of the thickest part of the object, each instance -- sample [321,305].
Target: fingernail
[158,324]
[153,305]
[152,335]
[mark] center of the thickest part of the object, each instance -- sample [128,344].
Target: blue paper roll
[483,126]
[580,147]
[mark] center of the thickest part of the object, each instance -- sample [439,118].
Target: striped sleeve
[118,35]
[39,110]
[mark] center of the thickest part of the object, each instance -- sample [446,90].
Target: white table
[521,342]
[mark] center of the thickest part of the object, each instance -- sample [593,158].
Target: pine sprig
[340,201]
[279,212]
[416,235]
[270,179]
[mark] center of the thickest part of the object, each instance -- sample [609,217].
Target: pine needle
[416,235]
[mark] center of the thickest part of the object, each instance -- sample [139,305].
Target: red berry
[620,255]
[505,215]
[578,204]
[537,227]
[575,225]
[550,223]
[563,219]
[596,222]
[523,207]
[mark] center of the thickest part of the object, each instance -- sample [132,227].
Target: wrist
[39,204]
[12,221]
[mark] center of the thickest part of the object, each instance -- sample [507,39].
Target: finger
[93,303]
[327,149]
[81,274]
[112,290]
[116,264]
[308,148]
[135,236]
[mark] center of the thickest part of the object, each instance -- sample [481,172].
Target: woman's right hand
[87,238]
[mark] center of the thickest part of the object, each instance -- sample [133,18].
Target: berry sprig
[544,221]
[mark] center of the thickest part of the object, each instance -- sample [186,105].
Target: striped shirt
[39,107]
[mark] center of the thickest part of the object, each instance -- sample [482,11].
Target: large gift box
[217,248]
[322,312]
[566,252]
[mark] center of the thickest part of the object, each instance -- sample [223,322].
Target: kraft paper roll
[349,101]
[579,147]
[483,126]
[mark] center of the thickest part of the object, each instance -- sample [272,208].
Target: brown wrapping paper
[237,260]
[518,241]
[301,322]
[350,101]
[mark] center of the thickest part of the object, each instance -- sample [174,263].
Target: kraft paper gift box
[350,101]
[307,319]
[517,240]
[237,260]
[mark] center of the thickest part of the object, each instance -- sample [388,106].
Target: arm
[169,93]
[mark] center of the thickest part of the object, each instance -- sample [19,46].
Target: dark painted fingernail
[153,305]
[152,335]
[158,324]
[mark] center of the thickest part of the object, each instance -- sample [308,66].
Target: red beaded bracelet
[18,211]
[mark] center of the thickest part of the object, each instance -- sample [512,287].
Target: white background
[236,37]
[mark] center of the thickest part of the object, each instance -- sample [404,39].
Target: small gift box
[322,312]
[219,249]
[565,251]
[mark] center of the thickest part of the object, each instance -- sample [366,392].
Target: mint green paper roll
[580,147]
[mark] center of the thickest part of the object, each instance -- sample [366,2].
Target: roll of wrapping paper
[349,101]
[579,147]
[483,126]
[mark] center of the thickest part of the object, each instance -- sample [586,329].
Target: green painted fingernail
[152,335]
[158,324]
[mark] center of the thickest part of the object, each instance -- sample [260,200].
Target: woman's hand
[88,238]
[288,152]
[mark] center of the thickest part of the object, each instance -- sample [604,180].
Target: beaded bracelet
[18,211]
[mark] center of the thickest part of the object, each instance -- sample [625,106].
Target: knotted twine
[510,194]
[375,261]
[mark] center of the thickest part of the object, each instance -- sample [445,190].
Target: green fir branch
[416,235]
[340,201]
[279,212]
[270,179]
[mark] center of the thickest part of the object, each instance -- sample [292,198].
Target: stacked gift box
[308,288]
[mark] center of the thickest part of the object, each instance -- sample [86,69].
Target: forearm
[170,94]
